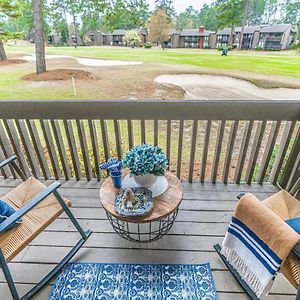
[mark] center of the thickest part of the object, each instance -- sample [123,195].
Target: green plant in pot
[145,163]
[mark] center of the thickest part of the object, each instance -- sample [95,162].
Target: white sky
[181,5]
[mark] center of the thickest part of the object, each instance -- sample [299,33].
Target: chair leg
[8,277]
[54,271]
[84,236]
[70,214]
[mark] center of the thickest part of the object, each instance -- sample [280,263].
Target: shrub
[296,46]
[258,48]
[147,45]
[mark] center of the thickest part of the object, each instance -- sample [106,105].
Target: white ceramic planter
[145,180]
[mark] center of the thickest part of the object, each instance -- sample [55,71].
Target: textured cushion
[294,223]
[5,212]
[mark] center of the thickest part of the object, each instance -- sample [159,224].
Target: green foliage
[167,6]
[258,48]
[8,36]
[275,153]
[129,14]
[221,48]
[229,13]
[132,37]
[296,46]
[81,161]
[147,45]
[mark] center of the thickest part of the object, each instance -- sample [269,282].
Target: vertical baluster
[36,141]
[284,144]
[169,142]
[268,152]
[205,150]
[130,134]
[51,148]
[255,150]
[243,152]
[179,150]
[143,131]
[84,149]
[155,132]
[295,189]
[6,148]
[21,126]
[73,148]
[288,174]
[94,141]
[14,139]
[61,148]
[295,174]
[193,149]
[229,151]
[216,161]
[5,170]
[118,138]
[105,139]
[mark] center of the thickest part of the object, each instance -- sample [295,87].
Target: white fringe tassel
[246,274]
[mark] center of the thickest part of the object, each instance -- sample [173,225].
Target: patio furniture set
[142,205]
[39,206]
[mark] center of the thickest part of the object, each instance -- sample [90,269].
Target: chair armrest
[11,160]
[29,205]
[7,161]
[296,250]
[240,195]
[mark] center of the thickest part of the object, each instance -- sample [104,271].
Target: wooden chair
[38,206]
[286,207]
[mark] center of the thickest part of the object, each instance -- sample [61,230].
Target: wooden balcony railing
[228,141]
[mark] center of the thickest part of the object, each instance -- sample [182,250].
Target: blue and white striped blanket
[256,243]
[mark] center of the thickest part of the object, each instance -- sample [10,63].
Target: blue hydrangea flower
[146,159]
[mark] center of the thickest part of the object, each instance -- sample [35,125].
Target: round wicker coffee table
[152,226]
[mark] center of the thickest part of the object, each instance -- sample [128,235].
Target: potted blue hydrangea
[145,163]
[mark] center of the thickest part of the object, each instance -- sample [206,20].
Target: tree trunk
[75,25]
[2,50]
[37,7]
[243,24]
[230,41]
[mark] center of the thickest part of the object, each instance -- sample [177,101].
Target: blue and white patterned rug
[94,281]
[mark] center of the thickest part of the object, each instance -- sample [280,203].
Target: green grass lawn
[270,63]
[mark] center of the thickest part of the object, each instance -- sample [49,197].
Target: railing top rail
[161,110]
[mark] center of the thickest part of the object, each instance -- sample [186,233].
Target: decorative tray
[133,202]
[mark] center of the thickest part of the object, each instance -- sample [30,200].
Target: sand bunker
[210,87]
[90,62]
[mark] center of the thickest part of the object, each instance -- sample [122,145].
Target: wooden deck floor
[201,222]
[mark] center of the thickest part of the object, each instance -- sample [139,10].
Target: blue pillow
[5,212]
[294,223]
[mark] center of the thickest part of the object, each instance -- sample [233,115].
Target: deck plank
[202,221]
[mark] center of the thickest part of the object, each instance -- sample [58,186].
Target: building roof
[247,29]
[225,31]
[276,28]
[123,31]
[174,31]
[194,32]
[119,32]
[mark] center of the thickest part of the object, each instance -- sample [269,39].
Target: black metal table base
[143,232]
